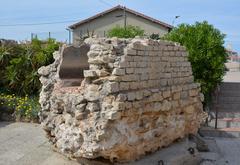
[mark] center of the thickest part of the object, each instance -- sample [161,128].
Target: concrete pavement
[25,144]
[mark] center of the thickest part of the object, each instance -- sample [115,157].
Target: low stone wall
[138,96]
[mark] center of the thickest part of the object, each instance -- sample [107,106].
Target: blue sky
[223,14]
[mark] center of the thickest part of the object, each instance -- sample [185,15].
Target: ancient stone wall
[138,96]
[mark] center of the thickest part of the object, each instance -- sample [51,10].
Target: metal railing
[216,104]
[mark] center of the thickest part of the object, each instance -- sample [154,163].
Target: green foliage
[24,108]
[19,65]
[206,52]
[128,32]
[155,36]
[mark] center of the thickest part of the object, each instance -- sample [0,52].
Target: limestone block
[163,82]
[193,92]
[93,53]
[102,73]
[44,71]
[177,96]
[124,86]
[118,71]
[121,97]
[140,53]
[157,106]
[112,87]
[184,94]
[155,97]
[166,105]
[92,93]
[93,107]
[129,70]
[132,64]
[166,94]
[113,115]
[146,93]
[130,52]
[131,96]
[130,77]
[139,95]
[123,64]
[190,109]
[128,58]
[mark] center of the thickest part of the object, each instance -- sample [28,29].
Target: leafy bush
[206,52]
[128,32]
[155,36]
[19,65]
[22,108]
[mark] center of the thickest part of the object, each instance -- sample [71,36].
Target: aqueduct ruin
[119,98]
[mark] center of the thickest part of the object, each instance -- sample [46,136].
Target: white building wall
[102,25]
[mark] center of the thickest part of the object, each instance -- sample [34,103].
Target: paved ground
[232,77]
[229,150]
[25,144]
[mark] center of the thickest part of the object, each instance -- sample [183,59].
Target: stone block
[130,52]
[131,96]
[124,86]
[112,87]
[176,96]
[193,92]
[166,94]
[89,73]
[118,71]
[129,70]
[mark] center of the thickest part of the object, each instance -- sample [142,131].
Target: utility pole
[31,36]
[49,35]
[125,17]
[69,35]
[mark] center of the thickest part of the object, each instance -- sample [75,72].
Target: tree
[128,32]
[206,52]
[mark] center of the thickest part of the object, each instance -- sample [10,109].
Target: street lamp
[176,17]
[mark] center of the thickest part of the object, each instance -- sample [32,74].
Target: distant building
[233,63]
[101,23]
[233,56]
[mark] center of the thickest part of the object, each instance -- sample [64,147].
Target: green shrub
[22,108]
[128,32]
[155,36]
[206,52]
[19,65]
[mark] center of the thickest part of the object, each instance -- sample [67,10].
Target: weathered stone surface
[137,96]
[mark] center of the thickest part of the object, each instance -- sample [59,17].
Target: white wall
[102,25]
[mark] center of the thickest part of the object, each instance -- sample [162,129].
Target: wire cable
[35,24]
[106,3]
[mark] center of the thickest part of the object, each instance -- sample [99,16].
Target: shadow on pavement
[4,123]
